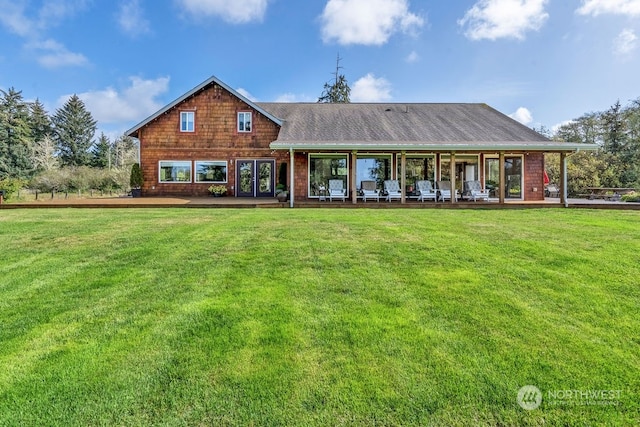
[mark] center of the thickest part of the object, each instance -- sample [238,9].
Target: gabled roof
[405,126]
[210,81]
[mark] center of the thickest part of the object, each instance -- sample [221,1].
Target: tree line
[59,152]
[616,164]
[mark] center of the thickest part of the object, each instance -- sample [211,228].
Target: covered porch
[506,176]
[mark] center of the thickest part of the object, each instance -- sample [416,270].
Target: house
[215,135]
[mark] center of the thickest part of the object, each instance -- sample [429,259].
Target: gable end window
[187,119]
[244,122]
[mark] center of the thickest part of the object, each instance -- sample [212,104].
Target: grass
[317,317]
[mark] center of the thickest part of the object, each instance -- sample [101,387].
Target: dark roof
[403,126]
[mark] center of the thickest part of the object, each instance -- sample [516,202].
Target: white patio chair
[473,190]
[369,190]
[425,191]
[392,189]
[444,191]
[336,189]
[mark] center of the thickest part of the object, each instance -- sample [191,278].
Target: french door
[255,178]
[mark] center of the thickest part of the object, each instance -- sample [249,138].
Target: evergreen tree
[613,124]
[101,153]
[15,136]
[338,91]
[39,121]
[73,132]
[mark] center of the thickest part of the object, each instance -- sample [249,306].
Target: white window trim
[182,120]
[219,162]
[332,156]
[185,162]
[244,121]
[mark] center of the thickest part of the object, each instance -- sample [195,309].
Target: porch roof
[405,126]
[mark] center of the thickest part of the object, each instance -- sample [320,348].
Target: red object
[546,177]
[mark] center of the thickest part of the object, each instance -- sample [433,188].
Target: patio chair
[392,189]
[369,190]
[473,190]
[336,189]
[552,190]
[444,191]
[425,191]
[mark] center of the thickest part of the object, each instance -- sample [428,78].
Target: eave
[475,146]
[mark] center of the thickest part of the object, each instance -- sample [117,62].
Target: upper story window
[244,122]
[187,119]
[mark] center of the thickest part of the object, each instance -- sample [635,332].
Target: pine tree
[101,153]
[339,91]
[15,136]
[73,132]
[39,121]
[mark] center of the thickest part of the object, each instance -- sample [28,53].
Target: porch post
[403,178]
[501,187]
[352,177]
[437,171]
[563,179]
[292,182]
[452,175]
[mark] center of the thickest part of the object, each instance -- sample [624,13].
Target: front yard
[318,317]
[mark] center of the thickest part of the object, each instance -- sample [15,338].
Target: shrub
[137,179]
[631,197]
[11,185]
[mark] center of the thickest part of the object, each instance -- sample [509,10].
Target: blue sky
[542,61]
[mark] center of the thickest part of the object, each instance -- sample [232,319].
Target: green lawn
[318,317]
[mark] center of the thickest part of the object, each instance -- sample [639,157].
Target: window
[512,176]
[186,121]
[244,122]
[175,171]
[374,167]
[211,171]
[418,169]
[322,168]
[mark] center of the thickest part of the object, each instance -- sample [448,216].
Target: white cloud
[49,53]
[52,12]
[367,22]
[495,19]
[131,18]
[246,94]
[13,18]
[412,57]
[601,7]
[555,128]
[131,104]
[523,115]
[233,11]
[52,54]
[371,89]
[625,43]
[287,97]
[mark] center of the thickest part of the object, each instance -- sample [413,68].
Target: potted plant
[218,190]
[136,180]
[281,193]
